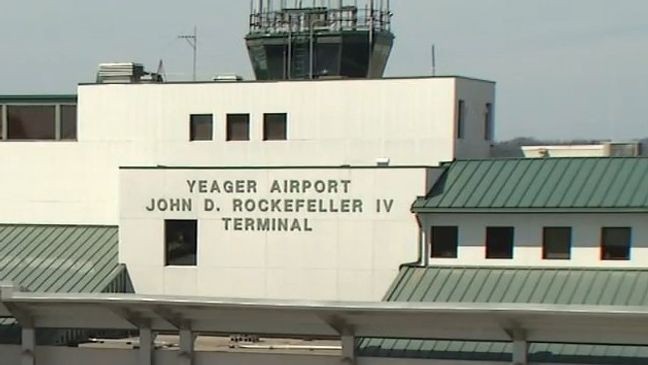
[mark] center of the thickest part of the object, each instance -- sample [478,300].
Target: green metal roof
[36,99]
[68,259]
[565,286]
[550,184]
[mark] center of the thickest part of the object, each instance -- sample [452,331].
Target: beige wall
[344,256]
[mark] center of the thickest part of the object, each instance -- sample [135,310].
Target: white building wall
[349,122]
[527,251]
[476,95]
[344,256]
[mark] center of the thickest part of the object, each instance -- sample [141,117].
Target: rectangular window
[201,127]
[238,127]
[499,242]
[461,116]
[444,241]
[488,122]
[31,122]
[274,127]
[615,243]
[556,243]
[180,238]
[68,122]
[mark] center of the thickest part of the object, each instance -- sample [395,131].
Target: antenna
[192,39]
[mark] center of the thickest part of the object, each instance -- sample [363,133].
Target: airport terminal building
[325,201]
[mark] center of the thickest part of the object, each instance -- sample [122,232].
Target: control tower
[310,39]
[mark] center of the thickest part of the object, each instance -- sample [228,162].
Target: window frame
[58,106]
[167,258]
[228,136]
[265,126]
[192,136]
[456,242]
[628,249]
[545,252]
[488,244]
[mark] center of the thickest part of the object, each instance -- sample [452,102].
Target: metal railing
[348,18]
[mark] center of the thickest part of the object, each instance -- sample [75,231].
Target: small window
[556,243]
[615,243]
[444,242]
[461,116]
[68,122]
[488,122]
[274,127]
[180,238]
[31,122]
[499,242]
[201,126]
[238,127]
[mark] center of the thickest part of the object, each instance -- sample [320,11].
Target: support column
[348,349]
[187,340]
[520,348]
[28,343]
[146,346]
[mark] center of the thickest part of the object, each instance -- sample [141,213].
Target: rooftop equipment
[294,40]
[125,73]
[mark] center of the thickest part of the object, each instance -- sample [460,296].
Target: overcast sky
[564,68]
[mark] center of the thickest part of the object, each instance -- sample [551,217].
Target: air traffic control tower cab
[310,39]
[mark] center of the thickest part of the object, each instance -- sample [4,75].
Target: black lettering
[228,187]
[345,184]
[263,224]
[251,186]
[191,184]
[294,186]
[333,187]
[307,227]
[187,205]
[320,186]
[209,205]
[163,205]
[263,205]
[249,224]
[175,205]
[227,223]
[275,188]
[275,205]
[238,224]
[215,188]
[295,226]
[345,206]
[250,205]
[312,206]
[289,206]
[357,206]
[240,186]
[202,186]
[282,224]
[151,207]
[237,205]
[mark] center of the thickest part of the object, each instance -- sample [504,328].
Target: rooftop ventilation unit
[125,73]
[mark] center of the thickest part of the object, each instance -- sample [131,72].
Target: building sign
[276,205]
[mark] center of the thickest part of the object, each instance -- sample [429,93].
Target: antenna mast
[192,39]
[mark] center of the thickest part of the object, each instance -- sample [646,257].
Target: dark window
[615,243]
[274,127]
[238,127]
[461,116]
[499,242]
[31,122]
[180,241]
[444,242]
[556,243]
[201,126]
[68,122]
[488,122]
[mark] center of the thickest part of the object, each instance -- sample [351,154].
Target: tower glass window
[444,241]
[238,127]
[499,242]
[615,243]
[201,127]
[488,122]
[556,243]
[275,126]
[180,237]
